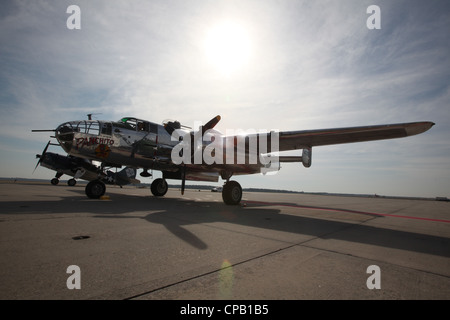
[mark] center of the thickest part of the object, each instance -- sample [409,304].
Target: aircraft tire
[95,189]
[71,182]
[159,187]
[232,193]
[54,181]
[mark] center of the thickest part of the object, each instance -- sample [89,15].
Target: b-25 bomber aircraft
[80,168]
[204,154]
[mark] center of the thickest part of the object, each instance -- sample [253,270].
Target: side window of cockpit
[153,128]
[93,128]
[143,126]
[106,128]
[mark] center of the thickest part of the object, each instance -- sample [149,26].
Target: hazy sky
[286,65]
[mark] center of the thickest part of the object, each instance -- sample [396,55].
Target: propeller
[41,156]
[210,124]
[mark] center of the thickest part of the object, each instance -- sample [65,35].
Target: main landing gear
[232,193]
[159,187]
[95,189]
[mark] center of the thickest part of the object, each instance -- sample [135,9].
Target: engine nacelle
[271,168]
[307,157]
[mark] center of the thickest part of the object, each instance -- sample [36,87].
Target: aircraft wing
[293,140]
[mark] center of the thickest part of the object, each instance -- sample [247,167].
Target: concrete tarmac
[272,246]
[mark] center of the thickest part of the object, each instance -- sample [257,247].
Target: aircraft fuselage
[130,142]
[142,144]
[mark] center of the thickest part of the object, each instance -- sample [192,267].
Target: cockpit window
[106,128]
[134,124]
[93,128]
[90,127]
[130,123]
[143,126]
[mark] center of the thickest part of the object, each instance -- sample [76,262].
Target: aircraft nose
[64,135]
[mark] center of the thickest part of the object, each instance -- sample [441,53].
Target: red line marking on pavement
[344,210]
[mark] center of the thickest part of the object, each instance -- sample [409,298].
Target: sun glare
[227,47]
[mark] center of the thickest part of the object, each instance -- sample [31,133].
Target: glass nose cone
[64,135]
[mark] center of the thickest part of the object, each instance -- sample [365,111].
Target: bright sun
[227,47]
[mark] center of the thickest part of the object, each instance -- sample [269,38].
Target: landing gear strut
[55,180]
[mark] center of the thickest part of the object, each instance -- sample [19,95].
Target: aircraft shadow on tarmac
[274,219]
[175,213]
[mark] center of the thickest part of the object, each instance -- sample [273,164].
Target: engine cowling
[307,157]
[271,165]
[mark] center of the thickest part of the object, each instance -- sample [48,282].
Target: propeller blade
[210,124]
[37,165]
[46,147]
[41,156]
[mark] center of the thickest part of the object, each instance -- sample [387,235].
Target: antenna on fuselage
[89,115]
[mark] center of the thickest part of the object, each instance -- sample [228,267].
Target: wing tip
[419,127]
